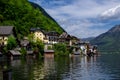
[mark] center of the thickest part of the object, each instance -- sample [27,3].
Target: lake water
[101,67]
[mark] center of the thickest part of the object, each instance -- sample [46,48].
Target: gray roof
[36,29]
[14,52]
[52,33]
[24,42]
[6,30]
[64,35]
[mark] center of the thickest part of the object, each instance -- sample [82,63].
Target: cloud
[111,14]
[83,28]
[81,17]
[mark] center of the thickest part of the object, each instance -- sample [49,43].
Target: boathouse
[14,54]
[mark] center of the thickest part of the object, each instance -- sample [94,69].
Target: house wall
[46,41]
[84,49]
[39,35]
[3,40]
[53,39]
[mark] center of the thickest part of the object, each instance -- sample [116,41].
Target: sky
[83,18]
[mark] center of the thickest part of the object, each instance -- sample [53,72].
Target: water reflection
[105,67]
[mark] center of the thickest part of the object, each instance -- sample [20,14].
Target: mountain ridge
[109,40]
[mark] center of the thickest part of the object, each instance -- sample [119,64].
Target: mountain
[87,39]
[109,41]
[24,15]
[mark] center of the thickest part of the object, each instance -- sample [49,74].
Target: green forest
[23,15]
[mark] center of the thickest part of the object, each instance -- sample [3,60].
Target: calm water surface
[102,67]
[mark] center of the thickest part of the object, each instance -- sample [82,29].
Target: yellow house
[38,34]
[5,32]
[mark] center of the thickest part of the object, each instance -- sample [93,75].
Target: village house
[24,42]
[38,34]
[14,54]
[84,46]
[65,38]
[74,40]
[5,32]
[52,37]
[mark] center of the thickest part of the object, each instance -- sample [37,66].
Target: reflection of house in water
[75,60]
[1,75]
[1,54]
[16,63]
[49,65]
[83,68]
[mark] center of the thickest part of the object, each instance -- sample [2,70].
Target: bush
[50,48]
[4,50]
[38,45]
[11,43]
[23,52]
[61,49]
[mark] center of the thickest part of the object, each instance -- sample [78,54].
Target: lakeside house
[65,38]
[24,43]
[5,32]
[38,34]
[84,47]
[14,54]
[74,40]
[52,37]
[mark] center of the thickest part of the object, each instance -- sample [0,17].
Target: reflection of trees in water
[26,69]
[49,67]
[22,69]
[56,68]
[38,71]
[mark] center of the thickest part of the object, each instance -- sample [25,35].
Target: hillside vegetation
[24,15]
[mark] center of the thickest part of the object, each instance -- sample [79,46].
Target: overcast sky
[83,18]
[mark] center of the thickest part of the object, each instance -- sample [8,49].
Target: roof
[64,35]
[52,33]
[36,29]
[14,52]
[24,42]
[75,38]
[6,30]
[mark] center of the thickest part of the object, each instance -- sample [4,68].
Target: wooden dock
[49,51]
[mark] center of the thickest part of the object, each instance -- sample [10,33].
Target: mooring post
[7,74]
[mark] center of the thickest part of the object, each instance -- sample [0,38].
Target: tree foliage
[38,45]
[22,15]
[61,49]
[11,43]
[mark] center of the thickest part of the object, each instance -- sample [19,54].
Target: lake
[102,67]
